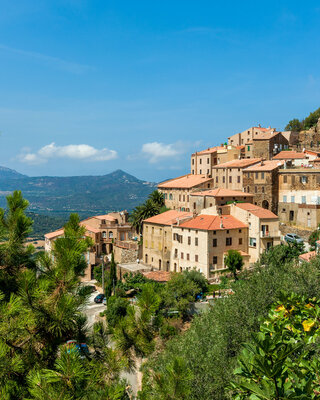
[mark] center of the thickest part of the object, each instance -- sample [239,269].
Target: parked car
[293,238]
[99,298]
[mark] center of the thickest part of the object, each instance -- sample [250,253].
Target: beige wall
[157,244]
[199,203]
[261,231]
[227,178]
[205,249]
[203,163]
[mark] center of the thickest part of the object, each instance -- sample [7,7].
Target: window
[228,241]
[223,179]
[175,253]
[179,197]
[208,172]
[285,179]
[200,160]
[248,189]
[240,240]
[253,242]
[227,230]
[284,199]
[170,196]
[200,171]
[181,256]
[257,175]
[111,235]
[248,148]
[104,234]
[217,179]
[292,199]
[152,230]
[262,189]
[208,160]
[303,199]
[238,179]
[214,260]
[214,242]
[304,179]
[193,161]
[188,256]
[193,172]
[240,230]
[292,179]
[196,241]
[196,258]
[255,189]
[189,239]
[194,206]
[184,198]
[230,179]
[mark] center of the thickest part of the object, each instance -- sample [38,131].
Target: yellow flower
[309,305]
[308,324]
[280,308]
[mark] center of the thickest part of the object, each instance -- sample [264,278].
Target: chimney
[221,223]
[262,162]
[178,221]
[259,125]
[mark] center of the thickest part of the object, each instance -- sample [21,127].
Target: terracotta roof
[257,211]
[243,163]
[269,134]
[213,223]
[169,217]
[312,153]
[184,182]
[220,192]
[89,228]
[106,217]
[54,234]
[158,276]
[240,147]
[268,165]
[289,155]
[209,150]
[261,129]
[307,256]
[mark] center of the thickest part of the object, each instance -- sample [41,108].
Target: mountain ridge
[86,195]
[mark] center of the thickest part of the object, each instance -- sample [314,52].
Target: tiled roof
[213,223]
[257,211]
[168,217]
[312,153]
[268,165]
[307,256]
[261,129]
[106,217]
[242,146]
[54,234]
[243,163]
[220,192]
[209,150]
[184,182]
[289,155]
[89,228]
[269,134]
[158,276]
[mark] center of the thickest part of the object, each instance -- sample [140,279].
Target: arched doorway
[265,204]
[168,265]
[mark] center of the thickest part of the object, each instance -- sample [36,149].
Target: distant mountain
[86,195]
[7,173]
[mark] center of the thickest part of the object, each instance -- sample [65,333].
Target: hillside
[86,195]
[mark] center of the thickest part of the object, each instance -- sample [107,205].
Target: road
[92,310]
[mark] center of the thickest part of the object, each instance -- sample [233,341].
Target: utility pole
[102,275]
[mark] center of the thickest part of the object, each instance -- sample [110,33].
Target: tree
[313,238]
[157,198]
[234,262]
[312,119]
[142,212]
[111,280]
[294,125]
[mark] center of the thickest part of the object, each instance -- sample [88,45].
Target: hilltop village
[243,195]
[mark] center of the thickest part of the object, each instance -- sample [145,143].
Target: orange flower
[280,308]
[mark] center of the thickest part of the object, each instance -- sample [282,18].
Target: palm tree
[157,198]
[140,213]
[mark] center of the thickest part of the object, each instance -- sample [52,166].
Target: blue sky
[141,84]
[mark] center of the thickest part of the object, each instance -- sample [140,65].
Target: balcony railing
[269,234]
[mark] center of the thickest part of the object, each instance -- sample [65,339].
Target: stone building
[294,158]
[106,231]
[245,137]
[299,197]
[217,198]
[310,139]
[261,180]
[177,191]
[267,144]
[157,238]
[229,175]
[263,227]
[203,161]
[201,243]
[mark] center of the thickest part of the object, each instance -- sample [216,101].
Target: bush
[116,309]
[214,340]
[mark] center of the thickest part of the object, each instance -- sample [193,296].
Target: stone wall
[125,256]
[304,233]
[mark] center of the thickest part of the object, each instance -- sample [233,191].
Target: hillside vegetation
[303,124]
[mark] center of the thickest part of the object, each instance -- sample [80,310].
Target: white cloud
[71,151]
[156,151]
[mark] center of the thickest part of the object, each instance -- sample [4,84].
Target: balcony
[269,234]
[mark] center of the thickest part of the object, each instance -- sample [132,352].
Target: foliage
[41,311]
[281,363]
[304,124]
[43,224]
[282,253]
[152,206]
[132,281]
[313,238]
[116,309]
[111,278]
[234,262]
[213,342]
